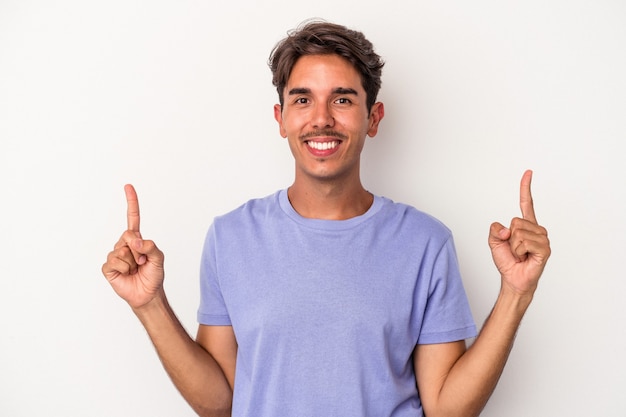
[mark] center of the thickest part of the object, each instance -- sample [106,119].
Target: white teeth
[323,146]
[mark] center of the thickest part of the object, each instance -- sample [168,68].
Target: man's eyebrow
[344,90]
[299,90]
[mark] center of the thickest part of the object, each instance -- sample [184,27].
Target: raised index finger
[526,198]
[132,212]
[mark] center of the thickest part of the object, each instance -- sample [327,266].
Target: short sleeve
[212,309]
[447,316]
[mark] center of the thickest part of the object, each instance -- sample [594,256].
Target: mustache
[323,132]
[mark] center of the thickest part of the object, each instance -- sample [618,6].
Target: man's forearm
[474,376]
[194,372]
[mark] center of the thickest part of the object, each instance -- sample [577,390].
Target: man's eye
[343,100]
[302,100]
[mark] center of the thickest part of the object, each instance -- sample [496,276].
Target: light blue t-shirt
[327,313]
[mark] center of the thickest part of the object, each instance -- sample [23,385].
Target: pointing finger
[526,198]
[132,212]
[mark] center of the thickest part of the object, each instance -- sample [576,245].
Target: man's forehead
[323,72]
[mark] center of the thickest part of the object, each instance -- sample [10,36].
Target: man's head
[323,38]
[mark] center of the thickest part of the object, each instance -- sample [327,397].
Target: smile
[323,146]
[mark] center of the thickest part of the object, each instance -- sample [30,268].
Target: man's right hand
[135,266]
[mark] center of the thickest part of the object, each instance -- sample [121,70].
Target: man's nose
[322,117]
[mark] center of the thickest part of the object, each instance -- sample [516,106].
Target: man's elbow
[213,411]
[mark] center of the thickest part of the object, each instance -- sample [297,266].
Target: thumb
[139,251]
[147,250]
[498,234]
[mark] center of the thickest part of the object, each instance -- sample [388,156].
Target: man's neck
[329,201]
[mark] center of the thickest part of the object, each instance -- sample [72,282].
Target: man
[323,299]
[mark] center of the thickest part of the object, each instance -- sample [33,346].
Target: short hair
[318,37]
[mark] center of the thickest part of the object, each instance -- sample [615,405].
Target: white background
[176,98]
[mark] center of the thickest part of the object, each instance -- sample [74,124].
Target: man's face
[325,117]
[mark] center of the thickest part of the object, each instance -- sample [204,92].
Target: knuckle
[516,223]
[112,255]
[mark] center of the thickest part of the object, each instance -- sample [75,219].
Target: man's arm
[135,271]
[203,370]
[453,381]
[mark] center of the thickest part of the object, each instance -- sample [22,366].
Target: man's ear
[278,115]
[376,115]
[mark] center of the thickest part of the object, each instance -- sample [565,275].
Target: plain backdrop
[176,98]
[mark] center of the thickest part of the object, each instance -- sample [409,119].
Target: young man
[323,299]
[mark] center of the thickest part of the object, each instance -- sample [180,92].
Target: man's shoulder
[412,217]
[253,208]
